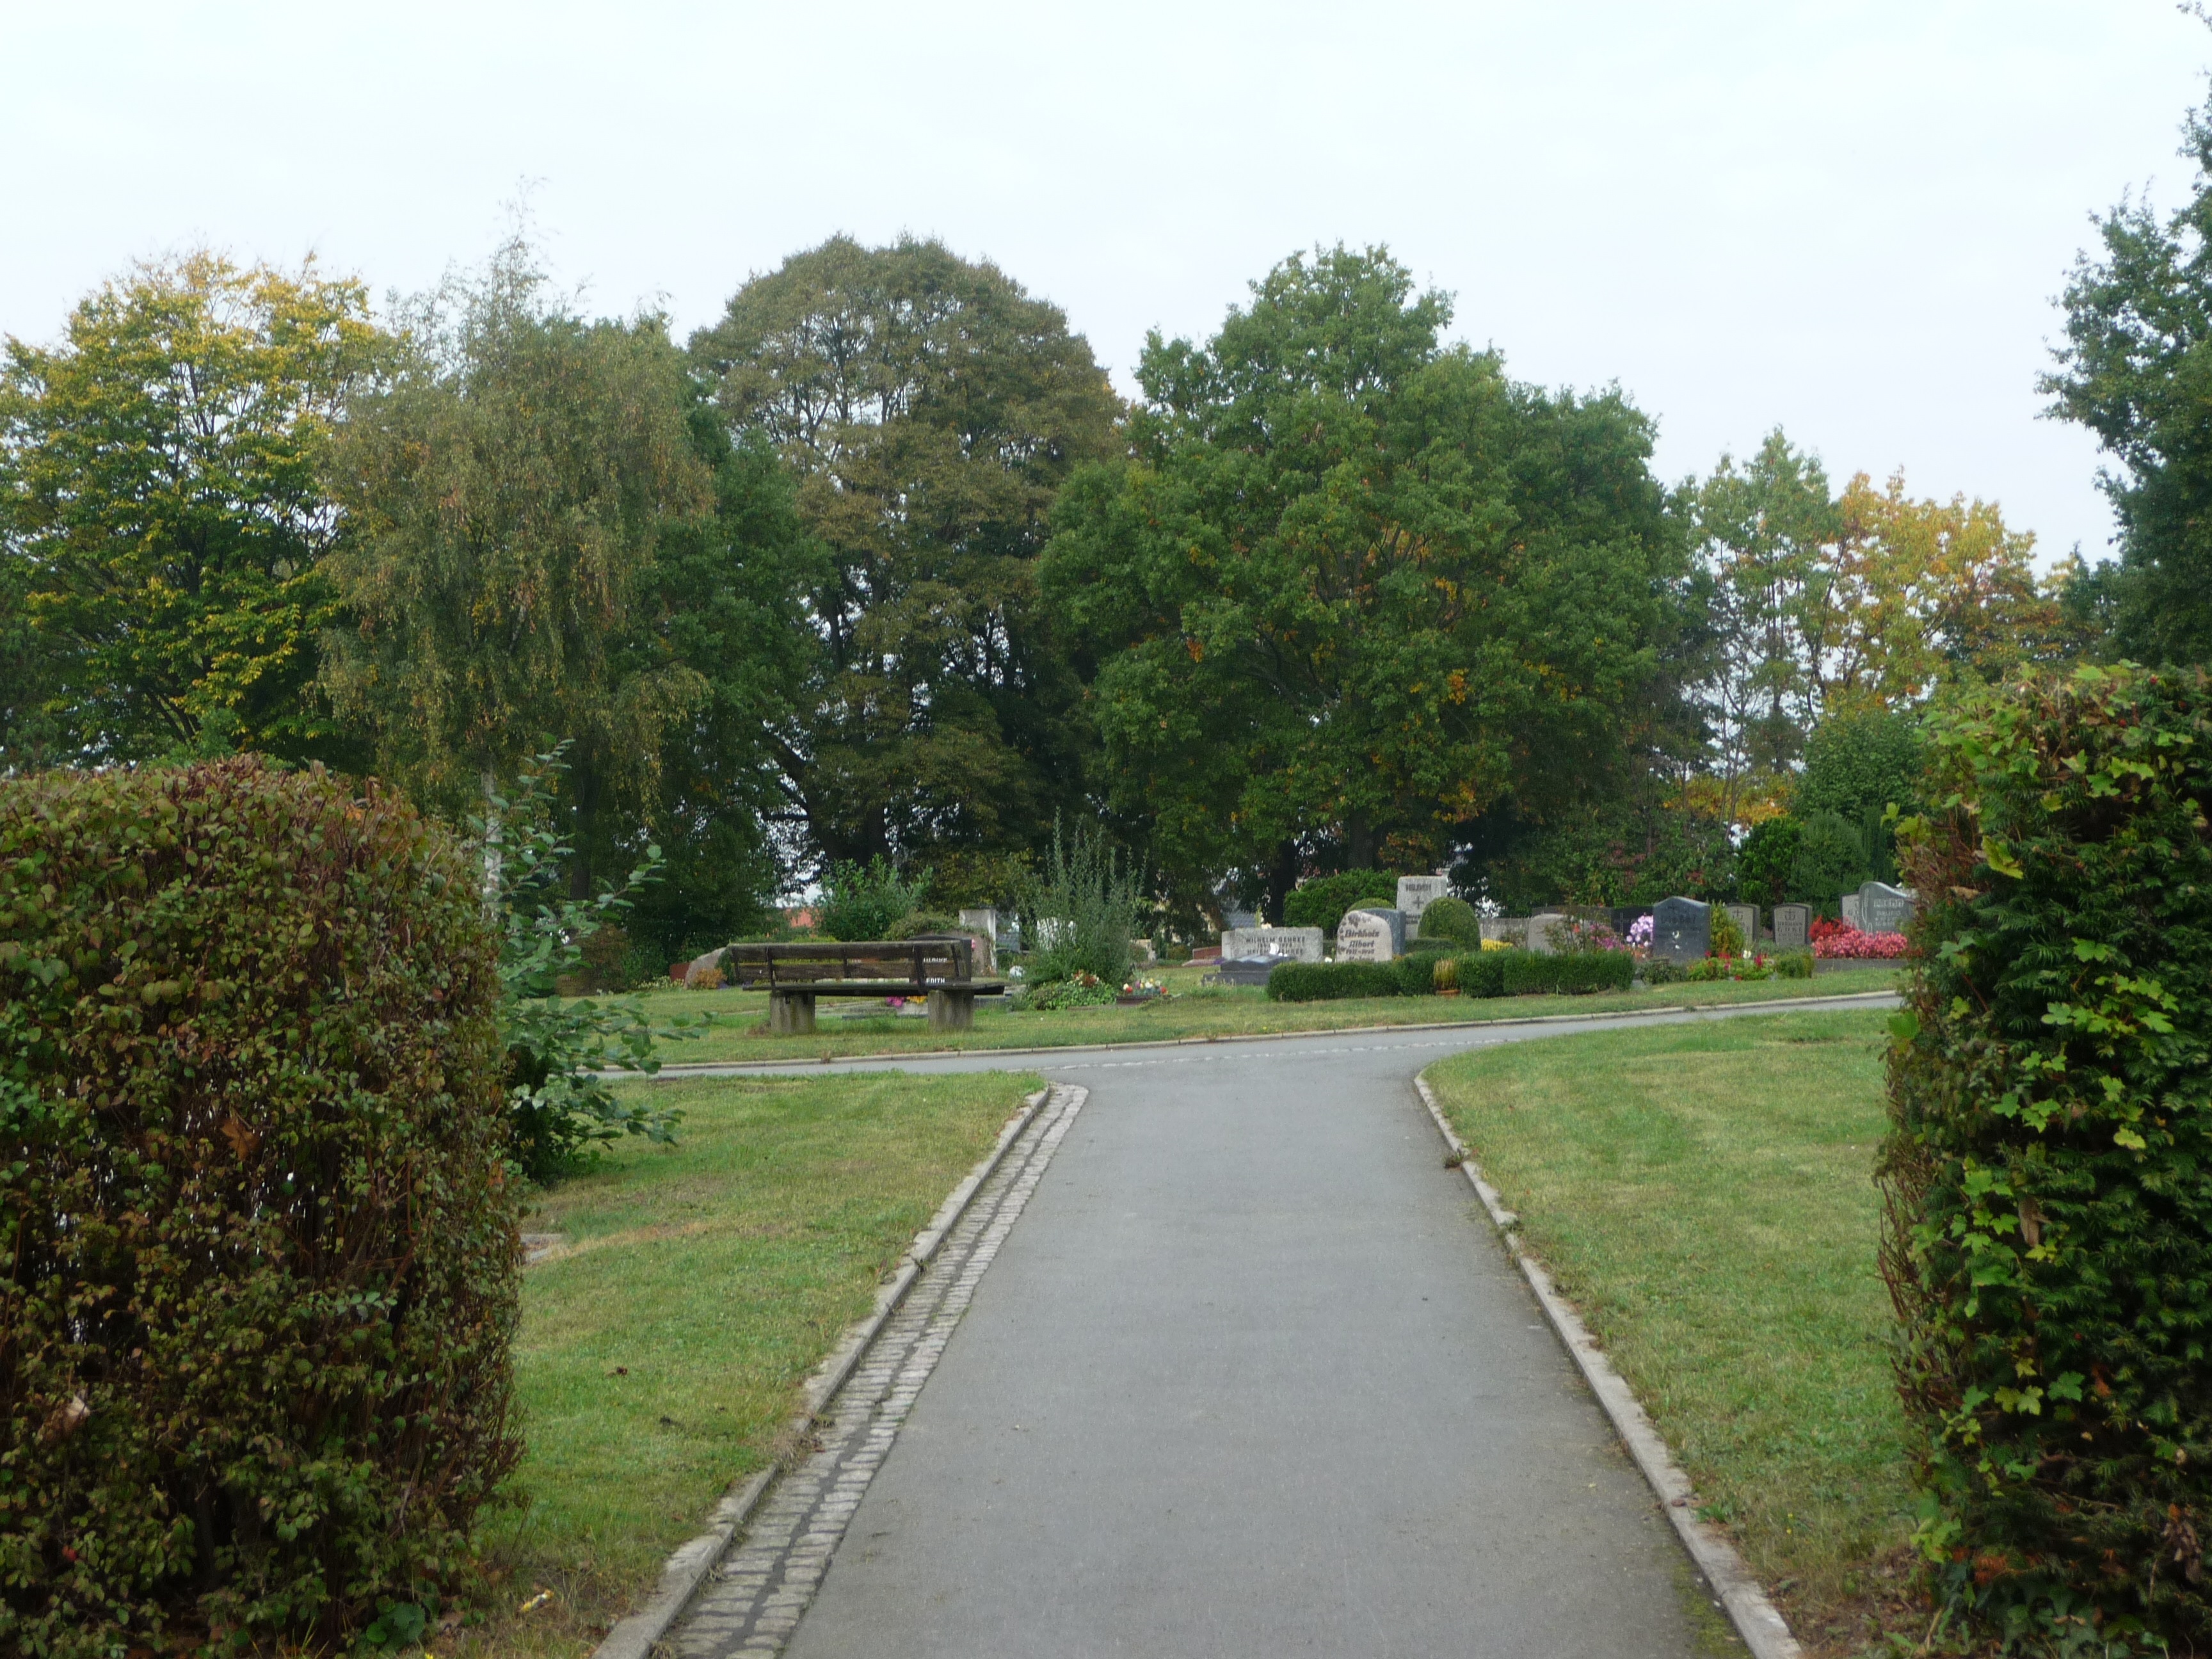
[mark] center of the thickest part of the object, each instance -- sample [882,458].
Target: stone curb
[732,1067]
[635,1636]
[1755,1618]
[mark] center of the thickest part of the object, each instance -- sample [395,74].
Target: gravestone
[1367,936]
[1746,918]
[1793,927]
[1415,895]
[983,919]
[1622,917]
[1271,943]
[1540,931]
[1681,929]
[1884,909]
[1850,909]
[1508,930]
[1401,928]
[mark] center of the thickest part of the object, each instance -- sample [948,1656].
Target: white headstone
[983,919]
[1850,909]
[1364,936]
[1285,943]
[1415,895]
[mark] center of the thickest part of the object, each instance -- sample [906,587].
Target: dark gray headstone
[1366,935]
[1681,929]
[1793,927]
[1884,909]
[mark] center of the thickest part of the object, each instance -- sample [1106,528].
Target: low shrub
[261,1270]
[866,901]
[1080,991]
[1079,915]
[1662,970]
[1453,921]
[1331,982]
[1793,964]
[1482,973]
[1569,973]
[2048,1174]
[1322,901]
[915,923]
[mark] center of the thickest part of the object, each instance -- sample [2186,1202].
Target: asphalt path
[1253,1377]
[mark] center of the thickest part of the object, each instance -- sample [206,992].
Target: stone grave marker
[1622,917]
[1681,929]
[983,919]
[1793,927]
[1265,944]
[1511,930]
[1540,931]
[1367,936]
[1850,908]
[1884,909]
[1746,918]
[1415,895]
[1402,926]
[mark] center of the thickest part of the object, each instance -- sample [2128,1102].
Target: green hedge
[1482,973]
[1452,921]
[2048,1170]
[261,1268]
[1571,973]
[1322,901]
[1331,982]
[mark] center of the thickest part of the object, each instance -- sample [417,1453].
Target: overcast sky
[1849,218]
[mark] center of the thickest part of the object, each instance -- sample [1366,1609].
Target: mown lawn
[739,1031]
[1705,1194]
[664,1340]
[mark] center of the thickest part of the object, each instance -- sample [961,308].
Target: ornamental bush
[1571,973]
[1330,982]
[1453,920]
[260,1271]
[1322,901]
[2048,1173]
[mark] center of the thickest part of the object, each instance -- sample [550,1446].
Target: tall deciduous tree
[548,538]
[1763,530]
[2137,370]
[162,513]
[1358,587]
[931,408]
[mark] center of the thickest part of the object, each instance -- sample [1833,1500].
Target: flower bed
[1834,940]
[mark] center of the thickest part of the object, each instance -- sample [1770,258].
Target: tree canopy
[2137,370]
[930,409]
[162,516]
[1356,586]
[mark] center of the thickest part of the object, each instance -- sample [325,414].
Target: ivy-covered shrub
[1322,901]
[1329,982]
[260,1267]
[2048,1174]
[1570,973]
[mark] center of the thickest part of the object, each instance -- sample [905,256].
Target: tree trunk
[1282,876]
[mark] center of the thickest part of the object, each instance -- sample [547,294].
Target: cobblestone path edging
[753,1599]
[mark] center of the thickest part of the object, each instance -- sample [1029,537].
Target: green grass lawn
[1705,1195]
[740,1028]
[663,1344]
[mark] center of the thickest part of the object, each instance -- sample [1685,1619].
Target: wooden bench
[940,969]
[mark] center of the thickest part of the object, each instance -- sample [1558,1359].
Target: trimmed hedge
[1332,981]
[1452,920]
[261,1268]
[2048,1176]
[1482,973]
[1568,973]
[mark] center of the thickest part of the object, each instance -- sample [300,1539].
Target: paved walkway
[1250,1378]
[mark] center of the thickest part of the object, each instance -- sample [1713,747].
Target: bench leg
[951,1011]
[791,1013]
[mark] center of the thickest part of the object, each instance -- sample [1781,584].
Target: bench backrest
[911,960]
